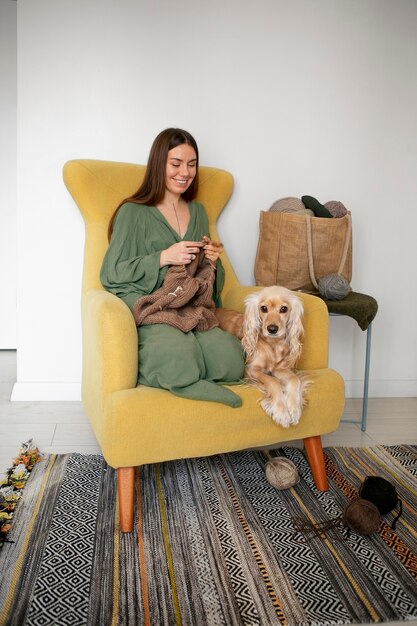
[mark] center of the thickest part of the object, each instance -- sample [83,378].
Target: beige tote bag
[295,251]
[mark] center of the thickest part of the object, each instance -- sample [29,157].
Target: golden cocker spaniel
[271,331]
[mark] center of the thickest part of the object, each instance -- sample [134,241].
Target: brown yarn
[185,299]
[307,530]
[362,516]
[336,208]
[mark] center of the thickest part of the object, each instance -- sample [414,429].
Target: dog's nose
[272,329]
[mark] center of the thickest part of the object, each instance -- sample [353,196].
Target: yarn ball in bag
[288,205]
[333,287]
[281,473]
[336,208]
[362,516]
[314,205]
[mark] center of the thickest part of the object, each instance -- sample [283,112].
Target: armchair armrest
[316,325]
[110,347]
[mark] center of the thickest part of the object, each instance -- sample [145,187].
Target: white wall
[313,97]
[8,231]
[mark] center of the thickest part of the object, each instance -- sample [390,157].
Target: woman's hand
[212,249]
[181,253]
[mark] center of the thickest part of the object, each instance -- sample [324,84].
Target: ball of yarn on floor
[362,517]
[333,287]
[281,473]
[336,208]
[383,494]
[380,492]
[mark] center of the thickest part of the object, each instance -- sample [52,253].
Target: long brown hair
[152,189]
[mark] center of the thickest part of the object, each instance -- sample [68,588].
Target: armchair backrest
[97,188]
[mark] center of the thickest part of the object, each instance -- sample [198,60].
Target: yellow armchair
[134,424]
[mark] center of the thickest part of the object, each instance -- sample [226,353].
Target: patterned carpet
[214,544]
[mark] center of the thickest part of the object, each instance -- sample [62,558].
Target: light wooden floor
[62,427]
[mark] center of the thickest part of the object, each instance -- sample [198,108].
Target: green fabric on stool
[361,307]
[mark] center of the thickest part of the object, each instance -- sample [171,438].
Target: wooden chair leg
[315,457]
[126,492]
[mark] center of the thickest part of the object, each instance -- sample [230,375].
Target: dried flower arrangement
[11,487]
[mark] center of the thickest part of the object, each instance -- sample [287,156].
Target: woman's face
[181,168]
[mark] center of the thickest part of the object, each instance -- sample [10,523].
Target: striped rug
[214,544]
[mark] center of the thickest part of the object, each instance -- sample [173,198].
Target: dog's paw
[306,383]
[295,398]
[295,408]
[295,418]
[279,413]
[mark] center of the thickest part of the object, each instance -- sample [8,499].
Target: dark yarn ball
[380,492]
[383,495]
[362,517]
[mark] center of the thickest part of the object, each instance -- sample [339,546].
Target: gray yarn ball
[334,287]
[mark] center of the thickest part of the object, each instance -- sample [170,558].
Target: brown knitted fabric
[184,301]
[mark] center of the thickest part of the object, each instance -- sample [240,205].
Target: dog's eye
[283,309]
[264,308]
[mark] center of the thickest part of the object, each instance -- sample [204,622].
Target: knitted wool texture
[184,301]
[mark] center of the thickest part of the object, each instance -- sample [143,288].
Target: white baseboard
[70,392]
[382,388]
[41,392]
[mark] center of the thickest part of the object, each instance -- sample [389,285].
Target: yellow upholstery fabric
[135,425]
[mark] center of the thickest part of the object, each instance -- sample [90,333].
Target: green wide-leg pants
[191,365]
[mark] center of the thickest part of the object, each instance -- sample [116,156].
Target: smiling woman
[161,261]
[181,170]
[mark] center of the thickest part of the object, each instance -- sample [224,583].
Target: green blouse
[130,266]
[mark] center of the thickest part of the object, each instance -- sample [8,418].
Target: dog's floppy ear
[295,329]
[251,325]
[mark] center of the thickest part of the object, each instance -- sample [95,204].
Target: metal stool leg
[366,377]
